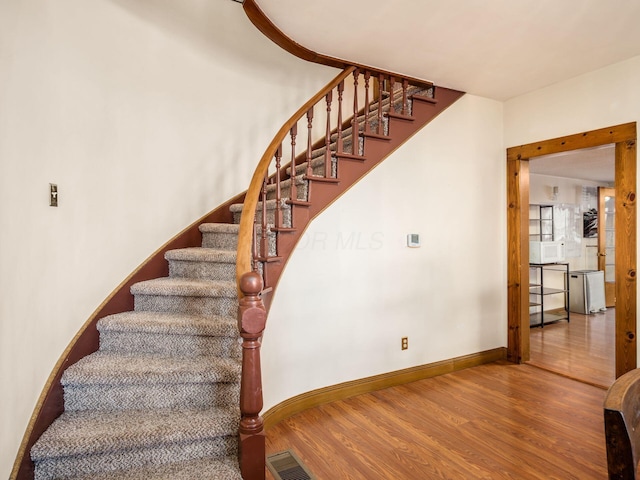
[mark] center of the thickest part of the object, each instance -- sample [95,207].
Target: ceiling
[492,48]
[596,164]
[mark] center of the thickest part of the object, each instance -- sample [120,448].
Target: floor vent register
[287,466]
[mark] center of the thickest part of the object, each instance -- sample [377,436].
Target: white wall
[599,99]
[353,288]
[134,109]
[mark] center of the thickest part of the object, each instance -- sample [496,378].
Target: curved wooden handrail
[273,33]
[245,236]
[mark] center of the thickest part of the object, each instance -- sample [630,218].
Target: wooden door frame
[624,138]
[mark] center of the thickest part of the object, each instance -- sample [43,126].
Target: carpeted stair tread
[316,161]
[219,228]
[285,188]
[199,254]
[102,368]
[170,324]
[85,433]
[200,469]
[285,184]
[221,236]
[318,153]
[185,287]
[169,334]
[271,205]
[284,210]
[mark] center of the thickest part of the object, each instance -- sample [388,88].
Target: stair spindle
[392,85]
[405,85]
[339,146]
[355,129]
[264,247]
[327,140]
[367,105]
[292,177]
[309,141]
[278,211]
[380,130]
[254,247]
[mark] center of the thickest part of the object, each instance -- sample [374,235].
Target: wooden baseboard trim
[341,391]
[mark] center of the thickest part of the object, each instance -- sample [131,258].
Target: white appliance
[587,291]
[546,252]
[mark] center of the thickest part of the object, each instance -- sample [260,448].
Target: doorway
[571,192]
[624,138]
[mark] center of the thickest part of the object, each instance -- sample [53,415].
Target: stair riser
[219,469]
[202,270]
[285,215]
[347,141]
[136,397]
[317,167]
[186,305]
[271,245]
[285,191]
[220,241]
[57,468]
[129,343]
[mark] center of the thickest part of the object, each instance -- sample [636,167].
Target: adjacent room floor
[583,348]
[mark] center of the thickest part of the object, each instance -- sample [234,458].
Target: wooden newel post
[252,318]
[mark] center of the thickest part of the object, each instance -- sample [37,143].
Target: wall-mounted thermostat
[413,240]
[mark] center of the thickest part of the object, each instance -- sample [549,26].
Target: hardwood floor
[495,421]
[583,348]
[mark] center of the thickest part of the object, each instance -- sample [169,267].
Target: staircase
[160,398]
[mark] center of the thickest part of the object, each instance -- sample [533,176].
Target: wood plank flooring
[583,348]
[495,421]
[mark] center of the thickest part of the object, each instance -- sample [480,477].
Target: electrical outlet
[53,195]
[405,343]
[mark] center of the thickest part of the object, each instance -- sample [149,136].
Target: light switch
[53,195]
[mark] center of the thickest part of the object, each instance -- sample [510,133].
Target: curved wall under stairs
[353,289]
